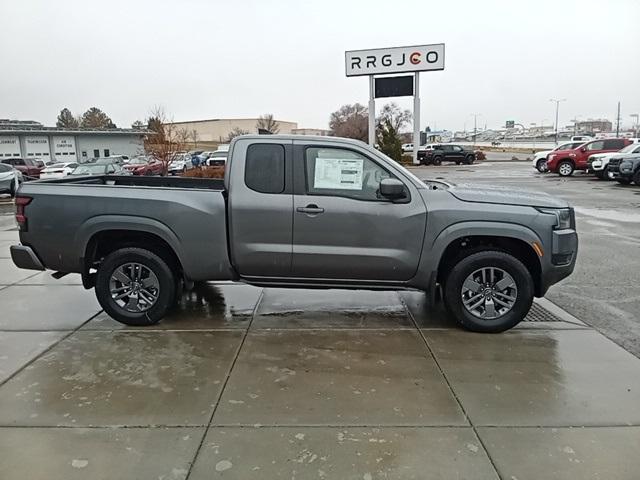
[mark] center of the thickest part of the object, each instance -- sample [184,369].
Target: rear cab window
[265,168]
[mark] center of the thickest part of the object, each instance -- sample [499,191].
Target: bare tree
[236,132]
[166,140]
[194,137]
[350,121]
[395,116]
[266,122]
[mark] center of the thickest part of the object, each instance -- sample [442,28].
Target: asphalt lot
[603,290]
[241,382]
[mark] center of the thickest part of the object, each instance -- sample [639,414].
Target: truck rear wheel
[489,291]
[135,286]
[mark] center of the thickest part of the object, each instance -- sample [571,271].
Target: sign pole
[416,117]
[372,112]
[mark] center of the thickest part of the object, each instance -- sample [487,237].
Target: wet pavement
[241,382]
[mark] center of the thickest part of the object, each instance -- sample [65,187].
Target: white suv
[540,158]
[598,163]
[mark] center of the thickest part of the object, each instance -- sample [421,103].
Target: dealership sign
[420,58]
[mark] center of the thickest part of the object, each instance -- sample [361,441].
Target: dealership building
[33,140]
[217,130]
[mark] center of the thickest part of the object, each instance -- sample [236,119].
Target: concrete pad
[207,307]
[286,308]
[96,454]
[341,453]
[540,378]
[564,453]
[4,248]
[9,273]
[426,315]
[336,377]
[53,307]
[18,348]
[99,379]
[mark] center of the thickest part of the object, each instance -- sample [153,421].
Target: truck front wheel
[135,286]
[488,291]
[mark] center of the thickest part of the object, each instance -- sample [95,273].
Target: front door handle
[310,209]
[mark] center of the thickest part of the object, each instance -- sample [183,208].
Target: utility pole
[618,121]
[475,127]
[557,101]
[635,125]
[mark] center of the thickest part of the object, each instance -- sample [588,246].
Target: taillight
[21,217]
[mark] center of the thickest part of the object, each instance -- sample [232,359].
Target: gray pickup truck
[295,211]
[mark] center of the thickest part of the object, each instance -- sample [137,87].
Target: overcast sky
[212,59]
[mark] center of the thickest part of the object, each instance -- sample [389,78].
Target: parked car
[180,163]
[217,158]
[142,166]
[204,156]
[625,169]
[29,167]
[540,158]
[10,179]
[99,169]
[407,147]
[565,162]
[58,170]
[113,159]
[598,163]
[441,152]
[581,138]
[331,212]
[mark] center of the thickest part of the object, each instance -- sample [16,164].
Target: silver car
[10,179]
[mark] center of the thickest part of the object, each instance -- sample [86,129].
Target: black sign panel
[394,86]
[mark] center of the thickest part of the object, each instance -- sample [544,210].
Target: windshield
[629,148]
[219,154]
[89,170]
[397,165]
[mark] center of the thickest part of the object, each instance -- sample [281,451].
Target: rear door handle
[310,209]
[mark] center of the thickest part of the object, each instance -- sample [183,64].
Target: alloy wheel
[134,287]
[489,293]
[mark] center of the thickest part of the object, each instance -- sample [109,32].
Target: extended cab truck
[565,162]
[294,211]
[446,152]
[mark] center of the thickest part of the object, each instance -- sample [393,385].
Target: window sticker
[338,174]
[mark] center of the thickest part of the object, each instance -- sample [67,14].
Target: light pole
[475,126]
[557,109]
[635,126]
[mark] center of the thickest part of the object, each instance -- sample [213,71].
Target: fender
[102,223]
[434,248]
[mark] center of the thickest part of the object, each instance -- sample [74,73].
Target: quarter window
[615,144]
[264,169]
[343,173]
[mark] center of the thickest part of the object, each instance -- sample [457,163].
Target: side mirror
[392,188]
[583,149]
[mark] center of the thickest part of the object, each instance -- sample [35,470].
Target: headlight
[563,217]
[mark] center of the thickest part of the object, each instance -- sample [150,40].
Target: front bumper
[25,257]
[562,261]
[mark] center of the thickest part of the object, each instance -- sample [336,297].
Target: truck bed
[141,181]
[189,214]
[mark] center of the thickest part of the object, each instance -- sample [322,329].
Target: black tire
[467,265]
[600,174]
[166,292]
[458,162]
[636,178]
[623,181]
[566,168]
[541,165]
[437,160]
[470,159]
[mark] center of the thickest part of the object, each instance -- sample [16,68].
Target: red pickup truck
[564,162]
